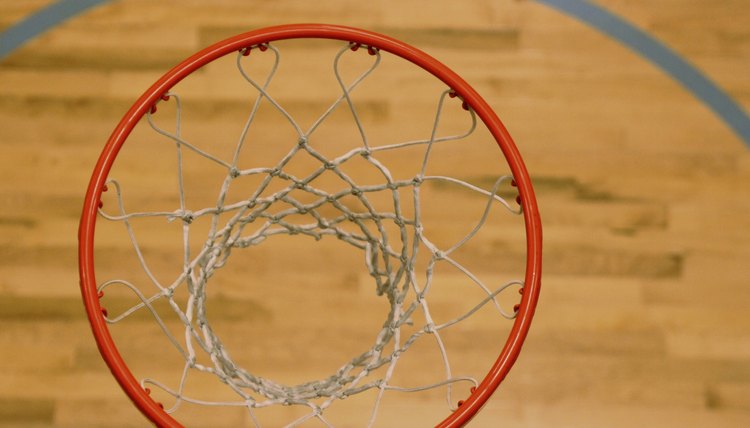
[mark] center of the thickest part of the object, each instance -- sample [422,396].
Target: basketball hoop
[381,223]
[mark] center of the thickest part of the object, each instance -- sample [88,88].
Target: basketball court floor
[641,172]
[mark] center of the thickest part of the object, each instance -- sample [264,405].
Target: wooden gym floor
[644,193]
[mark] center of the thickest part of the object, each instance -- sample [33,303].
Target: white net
[380,221]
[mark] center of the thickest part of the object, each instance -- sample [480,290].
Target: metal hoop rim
[532,220]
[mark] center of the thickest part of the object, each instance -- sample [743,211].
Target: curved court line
[617,28]
[659,54]
[41,21]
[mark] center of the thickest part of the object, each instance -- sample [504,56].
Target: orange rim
[532,220]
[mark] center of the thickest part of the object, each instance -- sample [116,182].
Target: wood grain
[643,319]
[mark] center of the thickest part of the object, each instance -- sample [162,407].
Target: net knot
[234,172]
[187,217]
[275,172]
[302,141]
[429,328]
[417,180]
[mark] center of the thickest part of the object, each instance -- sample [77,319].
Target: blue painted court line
[38,23]
[659,54]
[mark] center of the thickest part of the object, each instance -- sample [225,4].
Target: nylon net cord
[391,261]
